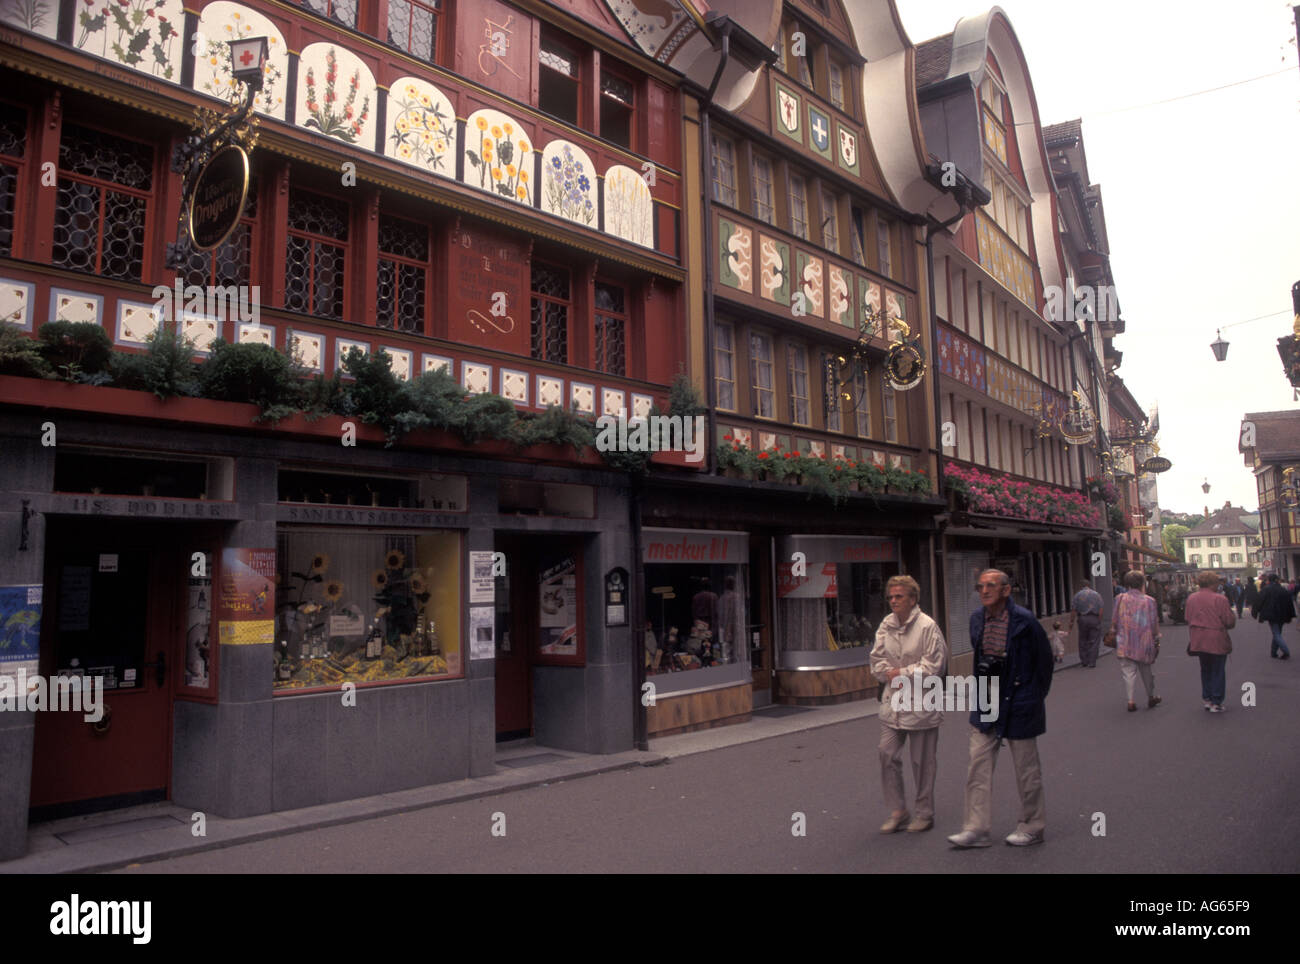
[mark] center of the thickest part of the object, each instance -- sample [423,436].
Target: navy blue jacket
[1026,676]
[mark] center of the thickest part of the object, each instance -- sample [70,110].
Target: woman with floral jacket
[1137,643]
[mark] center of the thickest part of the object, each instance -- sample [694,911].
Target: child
[1058,641]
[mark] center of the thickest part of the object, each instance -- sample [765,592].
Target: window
[861,405]
[995,136]
[1234,541]
[831,394]
[724,171]
[779,47]
[763,209]
[1235,557]
[1216,560]
[230,263]
[403,273]
[1195,560]
[104,186]
[884,248]
[413,26]
[13,145]
[550,313]
[836,75]
[557,81]
[859,252]
[1213,542]
[760,375]
[796,360]
[344,11]
[798,207]
[617,106]
[803,63]
[724,365]
[830,222]
[611,329]
[891,413]
[316,256]
[1193,543]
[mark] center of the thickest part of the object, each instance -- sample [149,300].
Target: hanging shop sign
[1157,463]
[218,198]
[905,365]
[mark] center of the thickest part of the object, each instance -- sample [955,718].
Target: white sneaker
[968,839]
[1022,839]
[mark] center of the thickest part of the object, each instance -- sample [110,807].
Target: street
[1181,791]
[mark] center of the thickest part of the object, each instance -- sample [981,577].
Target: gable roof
[1277,435]
[1224,522]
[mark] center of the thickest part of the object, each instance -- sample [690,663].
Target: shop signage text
[159,508]
[218,199]
[687,549]
[360,516]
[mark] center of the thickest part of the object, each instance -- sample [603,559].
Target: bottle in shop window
[374,641]
[284,669]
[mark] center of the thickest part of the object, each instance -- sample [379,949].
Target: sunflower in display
[395,559]
[379,579]
[334,590]
[320,564]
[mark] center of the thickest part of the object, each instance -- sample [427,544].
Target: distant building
[1270,445]
[1226,542]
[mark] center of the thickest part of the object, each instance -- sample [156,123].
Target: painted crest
[848,148]
[819,127]
[788,105]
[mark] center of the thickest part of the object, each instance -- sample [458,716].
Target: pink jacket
[1209,617]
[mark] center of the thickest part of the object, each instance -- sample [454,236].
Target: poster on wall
[20,630]
[482,585]
[814,582]
[198,628]
[557,609]
[482,629]
[246,596]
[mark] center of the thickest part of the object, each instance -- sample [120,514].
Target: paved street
[1182,791]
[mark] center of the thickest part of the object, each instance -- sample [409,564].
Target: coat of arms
[789,108]
[848,148]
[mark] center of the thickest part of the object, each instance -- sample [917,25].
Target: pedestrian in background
[1252,594]
[1239,593]
[908,642]
[1085,609]
[1276,609]
[1209,617]
[1009,643]
[1137,644]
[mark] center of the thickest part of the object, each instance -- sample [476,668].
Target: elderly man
[1085,609]
[1011,647]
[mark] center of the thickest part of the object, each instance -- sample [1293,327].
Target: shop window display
[835,606]
[696,617]
[366,607]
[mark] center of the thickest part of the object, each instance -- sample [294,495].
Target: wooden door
[111,605]
[515,602]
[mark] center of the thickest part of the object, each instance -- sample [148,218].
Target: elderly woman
[1136,641]
[908,643]
[1209,617]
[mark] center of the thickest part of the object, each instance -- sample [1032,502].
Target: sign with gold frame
[218,198]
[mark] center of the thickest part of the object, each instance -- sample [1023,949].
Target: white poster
[482,643]
[482,587]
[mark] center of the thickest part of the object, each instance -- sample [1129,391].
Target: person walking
[1238,594]
[1251,594]
[1208,620]
[1137,643]
[908,645]
[1011,650]
[1276,609]
[1085,609]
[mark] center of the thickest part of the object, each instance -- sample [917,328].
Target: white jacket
[917,645]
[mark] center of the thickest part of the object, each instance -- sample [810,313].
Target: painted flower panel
[421,126]
[629,207]
[336,91]
[567,174]
[498,156]
[145,35]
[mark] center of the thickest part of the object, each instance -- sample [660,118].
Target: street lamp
[1205,487]
[248,60]
[1219,346]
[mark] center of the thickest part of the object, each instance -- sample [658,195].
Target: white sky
[1202,204]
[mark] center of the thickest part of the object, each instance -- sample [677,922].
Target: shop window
[861,405]
[835,74]
[315,271]
[611,329]
[550,313]
[230,263]
[724,171]
[763,203]
[890,409]
[365,607]
[831,402]
[343,11]
[559,85]
[413,26]
[760,375]
[696,612]
[403,273]
[838,603]
[105,183]
[830,222]
[13,147]
[798,207]
[617,109]
[724,365]
[97,471]
[796,361]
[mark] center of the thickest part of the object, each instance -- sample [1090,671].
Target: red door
[110,612]
[515,599]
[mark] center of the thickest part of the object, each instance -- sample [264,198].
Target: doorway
[112,607]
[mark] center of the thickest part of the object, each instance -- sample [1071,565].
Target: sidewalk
[108,841]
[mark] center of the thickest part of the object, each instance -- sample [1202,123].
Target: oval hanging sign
[220,191]
[905,365]
[1157,463]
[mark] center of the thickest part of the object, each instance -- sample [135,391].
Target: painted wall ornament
[322,106]
[629,206]
[422,126]
[567,174]
[498,156]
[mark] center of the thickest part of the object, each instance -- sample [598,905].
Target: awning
[1151,552]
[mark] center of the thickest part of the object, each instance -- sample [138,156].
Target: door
[514,601]
[111,606]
